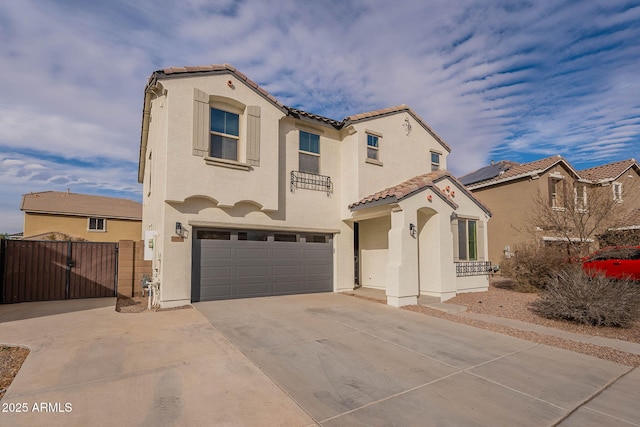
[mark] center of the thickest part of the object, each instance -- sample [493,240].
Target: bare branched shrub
[532,266]
[597,300]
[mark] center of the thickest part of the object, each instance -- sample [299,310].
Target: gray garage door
[241,264]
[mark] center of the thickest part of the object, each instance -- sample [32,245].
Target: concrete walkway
[322,359]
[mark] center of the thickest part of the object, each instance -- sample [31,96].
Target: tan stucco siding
[512,204]
[78,227]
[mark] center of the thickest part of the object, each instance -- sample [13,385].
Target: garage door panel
[252,254]
[216,271]
[252,289]
[252,271]
[216,254]
[215,292]
[280,254]
[287,270]
[318,256]
[316,285]
[237,268]
[288,287]
[315,269]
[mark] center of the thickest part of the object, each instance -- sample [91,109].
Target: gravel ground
[501,302]
[515,305]
[11,359]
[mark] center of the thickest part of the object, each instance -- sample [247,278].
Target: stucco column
[402,269]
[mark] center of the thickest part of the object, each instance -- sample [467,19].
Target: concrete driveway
[92,366]
[295,361]
[346,361]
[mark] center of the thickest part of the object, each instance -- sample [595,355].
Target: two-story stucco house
[246,197]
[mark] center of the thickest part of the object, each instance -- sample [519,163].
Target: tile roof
[65,203]
[609,171]
[393,110]
[213,69]
[414,185]
[519,170]
[400,191]
[294,112]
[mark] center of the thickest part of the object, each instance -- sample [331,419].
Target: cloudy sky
[498,79]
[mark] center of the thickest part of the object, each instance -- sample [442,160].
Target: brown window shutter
[200,123]
[253,135]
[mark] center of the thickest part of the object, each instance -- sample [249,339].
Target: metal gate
[50,270]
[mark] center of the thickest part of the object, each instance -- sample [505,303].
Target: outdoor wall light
[179,228]
[413,230]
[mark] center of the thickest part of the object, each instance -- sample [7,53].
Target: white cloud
[503,79]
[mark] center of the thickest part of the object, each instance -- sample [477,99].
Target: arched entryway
[429,252]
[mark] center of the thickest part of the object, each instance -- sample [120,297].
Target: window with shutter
[225,132]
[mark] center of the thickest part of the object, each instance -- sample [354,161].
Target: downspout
[149,93]
[144,137]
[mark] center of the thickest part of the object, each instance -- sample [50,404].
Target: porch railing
[472,268]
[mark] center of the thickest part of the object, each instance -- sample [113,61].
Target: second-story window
[617,191]
[309,153]
[556,193]
[580,201]
[225,133]
[372,147]
[435,161]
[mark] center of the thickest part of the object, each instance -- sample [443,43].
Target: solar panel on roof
[484,173]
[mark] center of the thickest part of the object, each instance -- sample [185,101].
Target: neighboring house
[510,190]
[244,196]
[623,179]
[70,216]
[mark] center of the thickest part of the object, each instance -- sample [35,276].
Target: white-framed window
[97,224]
[309,153]
[467,239]
[225,134]
[580,197]
[556,193]
[373,147]
[616,187]
[435,161]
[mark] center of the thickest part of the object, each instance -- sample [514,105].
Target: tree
[573,215]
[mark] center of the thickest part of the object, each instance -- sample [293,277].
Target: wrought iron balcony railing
[311,181]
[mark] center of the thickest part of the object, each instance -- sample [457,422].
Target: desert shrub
[531,266]
[573,295]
